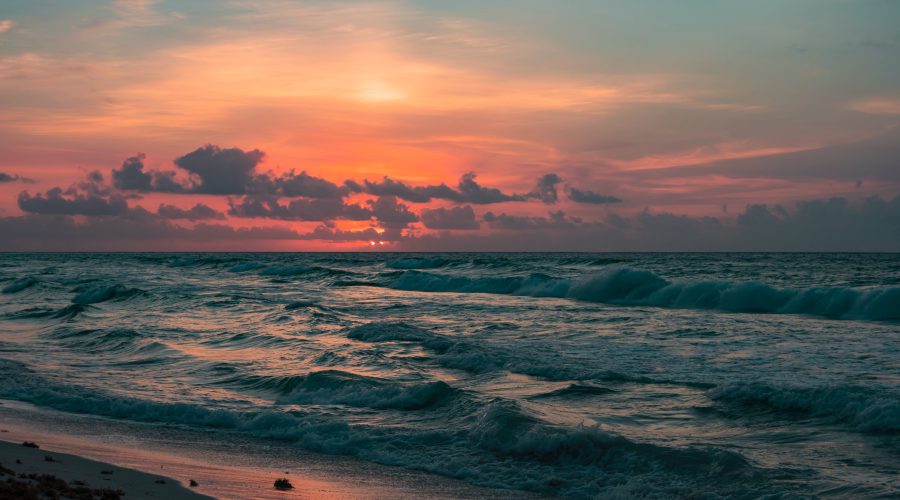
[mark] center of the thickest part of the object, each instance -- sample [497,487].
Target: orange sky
[614,99]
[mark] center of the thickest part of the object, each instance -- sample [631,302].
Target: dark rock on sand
[283,484]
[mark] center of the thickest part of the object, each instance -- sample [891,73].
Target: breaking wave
[481,357]
[338,387]
[315,350]
[499,445]
[94,295]
[633,287]
[864,409]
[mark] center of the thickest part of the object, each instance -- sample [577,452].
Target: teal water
[639,375]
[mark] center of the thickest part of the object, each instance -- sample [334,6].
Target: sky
[593,125]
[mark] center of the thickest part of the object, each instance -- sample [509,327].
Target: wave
[494,261]
[246,339]
[575,391]
[483,357]
[196,261]
[417,263]
[503,427]
[633,287]
[245,266]
[590,260]
[864,409]
[286,271]
[349,283]
[338,387]
[499,445]
[429,282]
[306,304]
[20,284]
[65,313]
[390,331]
[94,295]
[121,341]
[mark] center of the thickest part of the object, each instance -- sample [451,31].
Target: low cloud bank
[100,210]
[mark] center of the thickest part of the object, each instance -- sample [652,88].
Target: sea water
[581,375]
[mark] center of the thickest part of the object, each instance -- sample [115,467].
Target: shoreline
[224,468]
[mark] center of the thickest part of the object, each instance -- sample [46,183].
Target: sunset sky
[450,125]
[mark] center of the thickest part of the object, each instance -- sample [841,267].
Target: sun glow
[379,91]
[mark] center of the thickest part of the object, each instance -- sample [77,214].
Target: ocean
[578,375]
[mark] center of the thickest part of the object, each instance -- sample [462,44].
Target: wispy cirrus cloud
[889,105]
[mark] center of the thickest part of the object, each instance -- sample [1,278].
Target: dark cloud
[308,186]
[197,212]
[579,196]
[468,191]
[217,171]
[555,220]
[450,218]
[390,213]
[390,187]
[72,202]
[90,197]
[298,209]
[93,184]
[4,177]
[223,171]
[326,233]
[135,230]
[835,225]
[131,177]
[545,190]
[474,193]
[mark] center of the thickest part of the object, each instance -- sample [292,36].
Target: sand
[78,471]
[224,469]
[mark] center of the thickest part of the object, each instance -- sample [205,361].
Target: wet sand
[226,470]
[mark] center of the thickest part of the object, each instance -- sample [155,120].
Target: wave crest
[864,409]
[350,389]
[621,285]
[501,445]
[20,284]
[417,263]
[94,295]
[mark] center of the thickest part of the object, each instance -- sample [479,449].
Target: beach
[83,447]
[461,375]
[400,249]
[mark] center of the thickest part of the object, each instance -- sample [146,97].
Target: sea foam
[627,286]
